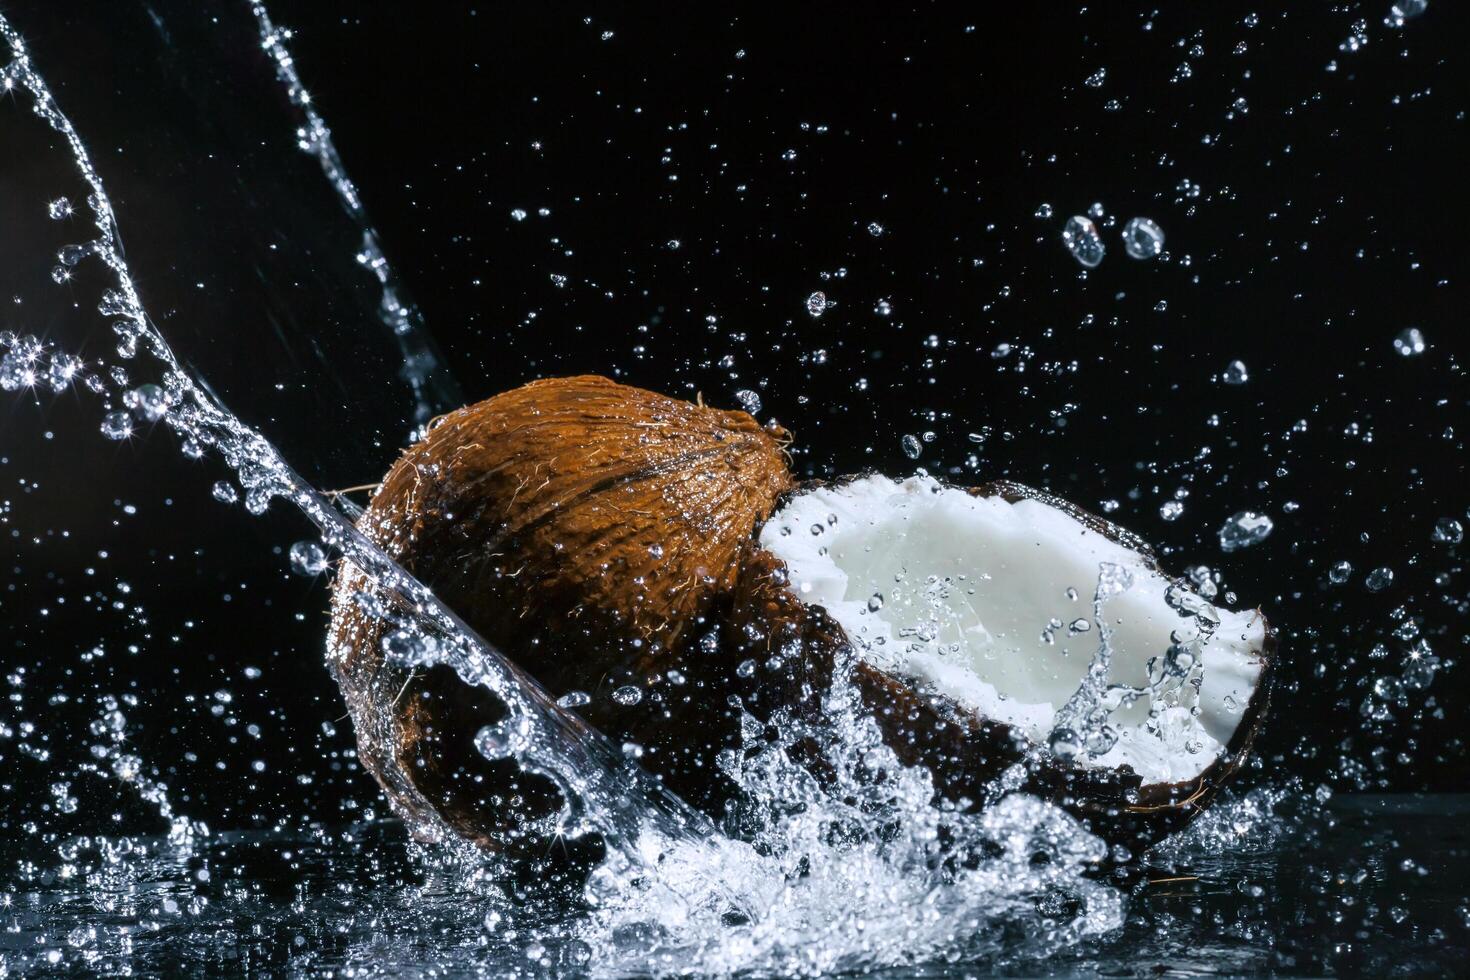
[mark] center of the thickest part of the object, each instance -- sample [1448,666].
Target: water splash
[813,877]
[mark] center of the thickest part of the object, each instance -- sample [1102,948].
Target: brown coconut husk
[593,533]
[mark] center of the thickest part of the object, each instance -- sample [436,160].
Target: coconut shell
[593,533]
[966,752]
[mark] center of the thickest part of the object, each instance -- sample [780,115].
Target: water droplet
[404,648]
[1044,211]
[148,401]
[1447,530]
[1409,343]
[1379,579]
[1112,580]
[62,371]
[16,372]
[1082,240]
[1065,744]
[1142,238]
[912,448]
[558,280]
[257,500]
[224,492]
[627,695]
[748,400]
[508,738]
[60,274]
[117,425]
[816,303]
[574,699]
[1171,510]
[1388,688]
[1339,573]
[1096,79]
[875,229]
[70,255]
[518,214]
[307,558]
[60,208]
[1236,373]
[1245,529]
[746,668]
[1403,10]
[875,602]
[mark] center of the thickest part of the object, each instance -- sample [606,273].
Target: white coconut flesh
[962,595]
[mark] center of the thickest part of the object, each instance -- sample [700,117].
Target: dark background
[703,173]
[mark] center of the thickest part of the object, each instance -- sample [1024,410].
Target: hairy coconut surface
[593,532]
[972,615]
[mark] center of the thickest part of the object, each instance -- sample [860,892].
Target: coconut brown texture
[593,533]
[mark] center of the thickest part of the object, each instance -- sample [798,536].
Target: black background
[764,143]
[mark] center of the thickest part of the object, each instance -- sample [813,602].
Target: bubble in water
[224,492]
[1409,343]
[1244,529]
[816,303]
[60,208]
[518,214]
[1096,79]
[912,448]
[307,558]
[1339,573]
[1171,510]
[628,695]
[1379,579]
[748,400]
[1143,238]
[1236,373]
[875,229]
[875,602]
[1447,530]
[117,425]
[1082,240]
[1043,210]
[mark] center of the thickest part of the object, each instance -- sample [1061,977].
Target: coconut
[627,550]
[972,617]
[588,530]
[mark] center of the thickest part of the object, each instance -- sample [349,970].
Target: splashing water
[808,879]
[807,875]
